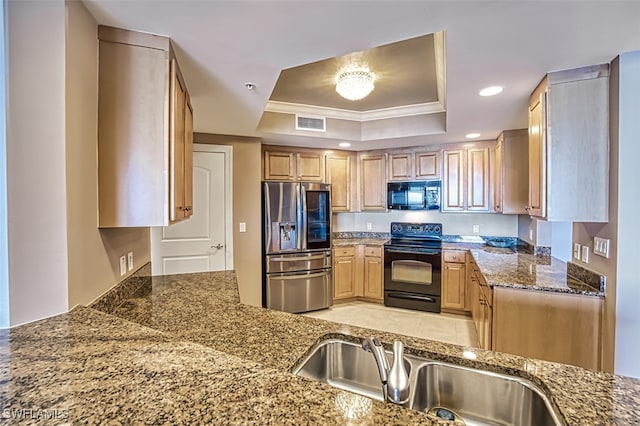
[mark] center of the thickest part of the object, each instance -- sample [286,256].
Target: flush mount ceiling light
[472,135]
[355,82]
[491,91]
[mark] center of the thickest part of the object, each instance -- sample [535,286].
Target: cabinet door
[344,277]
[497,177]
[188,157]
[453,285]
[373,194]
[453,184]
[279,165]
[537,158]
[310,167]
[478,179]
[177,146]
[400,166]
[373,273]
[338,174]
[427,165]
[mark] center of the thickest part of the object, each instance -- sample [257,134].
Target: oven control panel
[404,229]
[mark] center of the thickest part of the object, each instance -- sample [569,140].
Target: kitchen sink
[476,396]
[345,365]
[481,397]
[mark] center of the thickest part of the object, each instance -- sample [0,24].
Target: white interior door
[203,242]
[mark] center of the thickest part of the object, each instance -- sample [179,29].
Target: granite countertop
[515,268]
[184,350]
[340,242]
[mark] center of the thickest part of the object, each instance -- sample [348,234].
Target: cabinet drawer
[454,256]
[373,251]
[344,251]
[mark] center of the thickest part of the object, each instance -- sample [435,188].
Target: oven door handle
[413,251]
[410,296]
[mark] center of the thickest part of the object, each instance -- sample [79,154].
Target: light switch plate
[130,261]
[369,226]
[576,251]
[243,227]
[585,254]
[601,246]
[123,265]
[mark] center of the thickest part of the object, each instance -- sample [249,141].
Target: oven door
[411,270]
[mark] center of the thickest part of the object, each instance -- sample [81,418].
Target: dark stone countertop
[183,350]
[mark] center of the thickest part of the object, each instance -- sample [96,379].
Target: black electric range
[412,266]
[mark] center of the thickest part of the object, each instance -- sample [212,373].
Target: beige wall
[93,254]
[36,192]
[247,174]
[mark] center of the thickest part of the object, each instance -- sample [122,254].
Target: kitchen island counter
[184,350]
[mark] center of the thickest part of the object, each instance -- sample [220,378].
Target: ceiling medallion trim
[362,116]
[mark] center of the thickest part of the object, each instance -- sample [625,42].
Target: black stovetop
[405,234]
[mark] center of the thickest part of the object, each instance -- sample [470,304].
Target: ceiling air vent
[316,124]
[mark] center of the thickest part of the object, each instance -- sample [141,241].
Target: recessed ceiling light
[472,135]
[344,144]
[491,91]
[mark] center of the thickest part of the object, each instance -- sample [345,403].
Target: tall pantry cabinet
[145,132]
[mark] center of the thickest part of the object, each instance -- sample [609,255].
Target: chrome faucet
[395,380]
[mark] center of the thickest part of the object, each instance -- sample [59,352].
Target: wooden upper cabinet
[373,182]
[537,157]
[511,173]
[279,165]
[427,165]
[283,165]
[569,146]
[145,125]
[453,182]
[478,179]
[400,166]
[340,174]
[310,166]
[466,179]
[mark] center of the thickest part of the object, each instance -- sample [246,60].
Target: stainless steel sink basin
[346,366]
[479,397]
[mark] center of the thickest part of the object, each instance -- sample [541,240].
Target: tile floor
[448,328]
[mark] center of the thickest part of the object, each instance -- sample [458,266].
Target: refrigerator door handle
[302,225]
[297,259]
[298,276]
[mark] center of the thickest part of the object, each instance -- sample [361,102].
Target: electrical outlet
[243,227]
[130,261]
[576,251]
[585,254]
[531,234]
[123,265]
[476,229]
[601,246]
[369,226]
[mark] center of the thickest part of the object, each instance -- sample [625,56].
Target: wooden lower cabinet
[344,273]
[373,273]
[453,285]
[358,272]
[555,327]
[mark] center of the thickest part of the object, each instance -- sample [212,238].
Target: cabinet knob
[527,208]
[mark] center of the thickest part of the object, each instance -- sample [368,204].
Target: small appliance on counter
[296,230]
[412,266]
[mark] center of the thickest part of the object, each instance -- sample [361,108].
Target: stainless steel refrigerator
[296,246]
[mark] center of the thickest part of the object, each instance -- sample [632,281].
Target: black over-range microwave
[422,195]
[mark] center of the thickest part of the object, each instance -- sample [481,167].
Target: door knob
[217,246]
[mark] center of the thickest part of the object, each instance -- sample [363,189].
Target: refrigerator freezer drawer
[300,292]
[298,261]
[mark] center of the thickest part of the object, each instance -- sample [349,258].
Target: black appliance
[413,266]
[416,195]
